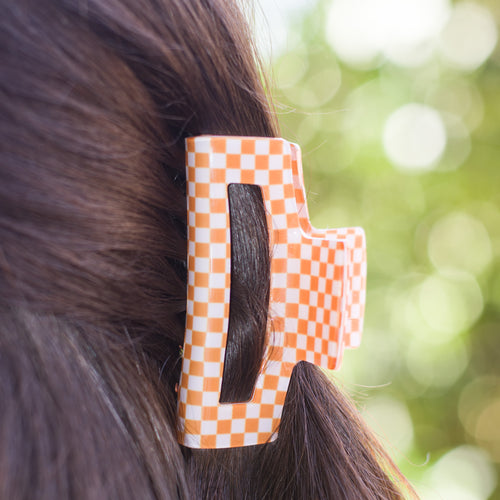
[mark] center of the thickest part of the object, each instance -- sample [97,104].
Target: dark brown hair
[97,98]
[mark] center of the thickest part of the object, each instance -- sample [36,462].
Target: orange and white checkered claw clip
[317,296]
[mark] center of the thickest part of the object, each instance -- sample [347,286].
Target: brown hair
[97,98]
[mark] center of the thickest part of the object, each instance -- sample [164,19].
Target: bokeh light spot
[460,241]
[439,367]
[403,31]
[391,420]
[469,37]
[450,303]
[464,473]
[414,137]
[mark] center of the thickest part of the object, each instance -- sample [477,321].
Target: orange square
[217,206]
[209,413]
[252,425]
[233,161]
[237,440]
[202,190]
[248,146]
[196,368]
[278,207]
[201,159]
[275,177]
[239,411]
[215,325]
[305,267]
[275,147]
[224,427]
[292,220]
[199,338]
[212,354]
[218,144]
[202,220]
[208,441]
[292,310]
[193,427]
[261,162]
[218,175]
[217,295]
[219,265]
[304,297]
[211,384]
[218,235]
[271,382]
[194,398]
[293,280]
[200,309]
[266,411]
[202,250]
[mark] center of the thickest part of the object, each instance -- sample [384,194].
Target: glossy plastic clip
[317,297]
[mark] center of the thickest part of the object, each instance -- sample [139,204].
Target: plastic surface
[318,280]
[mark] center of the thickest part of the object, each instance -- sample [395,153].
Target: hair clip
[317,294]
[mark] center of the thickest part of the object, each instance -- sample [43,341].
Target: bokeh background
[396,105]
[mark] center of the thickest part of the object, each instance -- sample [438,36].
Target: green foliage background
[427,375]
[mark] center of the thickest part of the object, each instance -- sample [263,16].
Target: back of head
[97,99]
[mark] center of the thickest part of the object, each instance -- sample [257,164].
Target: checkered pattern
[318,280]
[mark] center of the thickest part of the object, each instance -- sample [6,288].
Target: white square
[276,192]
[217,191]
[202,144]
[250,438]
[216,310]
[223,440]
[218,221]
[201,264]
[301,341]
[262,146]
[238,426]
[195,383]
[262,177]
[356,283]
[202,174]
[283,384]
[305,282]
[233,146]
[268,396]
[200,324]
[265,425]
[214,339]
[211,369]
[275,162]
[357,255]
[208,427]
[303,311]
[320,315]
[193,412]
[210,398]
[218,160]
[336,288]
[197,353]
[339,257]
[253,410]
[248,162]
[292,296]
[201,294]
[202,205]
